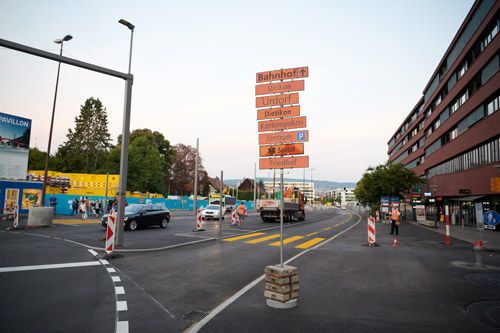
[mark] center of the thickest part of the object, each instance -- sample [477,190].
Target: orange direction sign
[283,74]
[288,111]
[265,101]
[284,162]
[280,150]
[284,137]
[280,87]
[282,124]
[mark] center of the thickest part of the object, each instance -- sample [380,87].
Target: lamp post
[44,187]
[434,187]
[125,141]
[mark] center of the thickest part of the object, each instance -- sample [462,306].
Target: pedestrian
[110,204]
[74,206]
[83,208]
[97,208]
[53,203]
[395,221]
[242,210]
[115,205]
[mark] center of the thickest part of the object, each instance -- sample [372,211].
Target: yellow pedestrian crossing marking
[310,243]
[327,228]
[263,239]
[288,240]
[314,233]
[243,237]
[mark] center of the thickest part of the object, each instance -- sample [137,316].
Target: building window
[493,105]
[487,40]
[461,71]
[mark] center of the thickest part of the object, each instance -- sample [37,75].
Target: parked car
[141,215]
[211,212]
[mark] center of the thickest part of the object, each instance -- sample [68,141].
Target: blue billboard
[14,146]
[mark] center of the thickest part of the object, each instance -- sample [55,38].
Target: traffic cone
[395,242]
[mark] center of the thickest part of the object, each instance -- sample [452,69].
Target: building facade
[307,188]
[452,135]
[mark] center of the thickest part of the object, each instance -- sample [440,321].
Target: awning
[469,198]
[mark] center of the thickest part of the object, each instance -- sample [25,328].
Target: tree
[145,167]
[183,170]
[88,143]
[385,180]
[36,159]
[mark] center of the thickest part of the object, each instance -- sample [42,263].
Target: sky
[195,62]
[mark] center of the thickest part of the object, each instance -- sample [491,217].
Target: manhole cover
[487,313]
[487,279]
[194,315]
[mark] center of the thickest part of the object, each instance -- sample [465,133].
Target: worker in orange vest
[242,210]
[395,221]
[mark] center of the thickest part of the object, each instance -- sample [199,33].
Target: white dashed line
[111,270]
[121,306]
[37,267]
[120,290]
[93,252]
[116,279]
[122,327]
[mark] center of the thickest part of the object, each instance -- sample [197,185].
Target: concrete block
[277,280]
[294,279]
[274,296]
[295,287]
[40,216]
[294,294]
[285,271]
[279,289]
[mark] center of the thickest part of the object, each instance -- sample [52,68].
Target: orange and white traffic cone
[395,242]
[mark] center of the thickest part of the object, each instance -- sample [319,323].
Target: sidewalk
[491,239]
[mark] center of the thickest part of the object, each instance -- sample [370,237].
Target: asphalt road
[216,285]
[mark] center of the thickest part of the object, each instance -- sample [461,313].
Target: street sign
[395,202]
[283,74]
[384,201]
[287,111]
[266,101]
[282,124]
[284,162]
[495,184]
[285,137]
[491,217]
[280,150]
[280,87]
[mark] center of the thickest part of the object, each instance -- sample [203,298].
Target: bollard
[16,216]
[233,218]
[371,231]
[198,219]
[478,248]
[110,233]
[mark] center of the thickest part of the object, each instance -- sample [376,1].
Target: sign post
[279,113]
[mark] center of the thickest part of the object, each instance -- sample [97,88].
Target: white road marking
[252,284]
[120,290]
[104,262]
[116,278]
[111,270]
[53,266]
[122,327]
[93,252]
[121,306]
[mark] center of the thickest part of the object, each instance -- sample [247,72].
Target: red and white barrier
[378,216]
[371,231]
[233,218]
[198,220]
[110,233]
[16,216]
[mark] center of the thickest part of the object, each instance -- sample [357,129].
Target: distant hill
[320,185]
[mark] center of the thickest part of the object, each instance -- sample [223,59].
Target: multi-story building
[307,188]
[452,135]
[346,195]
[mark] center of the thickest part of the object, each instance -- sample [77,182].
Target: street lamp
[312,184]
[125,141]
[434,187]
[44,187]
